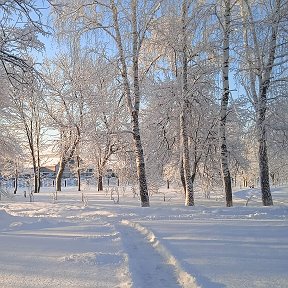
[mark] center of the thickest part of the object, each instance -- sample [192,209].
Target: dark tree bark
[16,181]
[78,173]
[100,182]
[262,150]
[140,162]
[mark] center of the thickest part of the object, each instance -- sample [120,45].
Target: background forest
[184,93]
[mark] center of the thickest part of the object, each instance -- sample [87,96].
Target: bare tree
[26,119]
[262,55]
[226,26]
[64,102]
[20,26]
[103,126]
[187,90]
[116,20]
[189,201]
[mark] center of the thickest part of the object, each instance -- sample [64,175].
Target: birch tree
[23,117]
[184,66]
[226,26]
[21,24]
[126,24]
[27,121]
[189,199]
[262,54]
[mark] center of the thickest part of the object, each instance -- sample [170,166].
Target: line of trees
[166,90]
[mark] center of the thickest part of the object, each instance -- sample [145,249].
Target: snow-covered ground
[65,243]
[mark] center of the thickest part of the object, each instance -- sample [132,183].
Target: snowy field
[99,243]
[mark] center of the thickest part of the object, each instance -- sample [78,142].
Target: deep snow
[65,243]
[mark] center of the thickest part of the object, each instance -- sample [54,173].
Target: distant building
[110,173]
[48,171]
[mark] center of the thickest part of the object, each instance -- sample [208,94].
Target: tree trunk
[262,150]
[34,163]
[38,174]
[260,99]
[35,180]
[37,124]
[16,181]
[182,175]
[189,199]
[226,178]
[140,163]
[67,155]
[261,113]
[133,109]
[38,180]
[59,175]
[264,174]
[78,173]
[79,180]
[100,182]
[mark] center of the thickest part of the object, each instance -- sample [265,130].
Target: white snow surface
[64,243]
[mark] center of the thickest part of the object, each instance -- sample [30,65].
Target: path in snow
[147,267]
[228,253]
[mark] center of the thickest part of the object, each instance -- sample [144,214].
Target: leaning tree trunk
[59,175]
[226,178]
[65,158]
